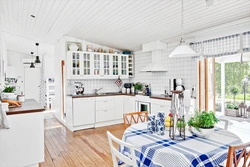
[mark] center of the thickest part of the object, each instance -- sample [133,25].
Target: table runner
[153,150]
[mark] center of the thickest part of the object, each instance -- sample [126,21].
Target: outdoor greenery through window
[237,76]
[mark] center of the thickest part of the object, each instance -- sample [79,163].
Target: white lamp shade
[182,50]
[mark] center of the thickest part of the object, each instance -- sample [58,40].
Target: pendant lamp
[37,57]
[32,64]
[183,50]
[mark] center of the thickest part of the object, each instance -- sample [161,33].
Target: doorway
[32,83]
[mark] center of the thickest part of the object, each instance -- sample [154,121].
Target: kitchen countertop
[154,96]
[28,106]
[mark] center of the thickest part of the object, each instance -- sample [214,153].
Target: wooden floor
[84,148]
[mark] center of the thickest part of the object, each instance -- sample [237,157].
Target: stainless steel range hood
[156,64]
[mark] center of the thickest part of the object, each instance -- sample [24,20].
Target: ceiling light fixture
[37,57]
[32,64]
[183,50]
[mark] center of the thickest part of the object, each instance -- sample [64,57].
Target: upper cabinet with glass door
[75,63]
[94,65]
[106,61]
[124,65]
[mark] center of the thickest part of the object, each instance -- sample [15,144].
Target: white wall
[3,59]
[184,68]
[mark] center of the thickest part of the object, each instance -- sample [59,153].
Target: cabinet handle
[162,106]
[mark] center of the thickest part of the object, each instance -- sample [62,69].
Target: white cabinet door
[160,105]
[104,108]
[118,107]
[128,104]
[106,65]
[83,111]
[74,63]
[155,108]
[124,66]
[115,65]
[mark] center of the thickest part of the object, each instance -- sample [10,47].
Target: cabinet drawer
[104,115]
[107,98]
[105,105]
[161,102]
[79,100]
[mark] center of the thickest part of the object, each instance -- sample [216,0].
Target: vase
[204,133]
[73,47]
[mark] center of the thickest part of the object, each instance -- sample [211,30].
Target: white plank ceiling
[121,24]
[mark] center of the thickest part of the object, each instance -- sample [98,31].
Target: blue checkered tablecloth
[153,150]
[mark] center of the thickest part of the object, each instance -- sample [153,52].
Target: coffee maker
[79,88]
[176,84]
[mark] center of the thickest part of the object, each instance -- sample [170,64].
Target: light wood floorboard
[84,148]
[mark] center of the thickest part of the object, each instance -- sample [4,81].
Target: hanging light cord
[182,22]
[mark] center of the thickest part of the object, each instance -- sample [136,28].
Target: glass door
[86,64]
[115,65]
[97,63]
[75,59]
[124,63]
[106,65]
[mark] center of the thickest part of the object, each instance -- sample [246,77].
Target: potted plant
[234,90]
[8,93]
[137,86]
[202,123]
[231,110]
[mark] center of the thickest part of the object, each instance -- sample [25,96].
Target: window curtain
[246,41]
[42,83]
[223,46]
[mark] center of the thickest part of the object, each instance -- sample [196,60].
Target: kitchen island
[23,143]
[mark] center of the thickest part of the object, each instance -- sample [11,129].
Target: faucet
[96,90]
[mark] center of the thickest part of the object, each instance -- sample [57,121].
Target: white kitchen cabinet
[160,105]
[104,109]
[128,104]
[94,65]
[118,107]
[83,111]
[124,66]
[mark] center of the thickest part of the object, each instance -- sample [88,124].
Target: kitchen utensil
[128,90]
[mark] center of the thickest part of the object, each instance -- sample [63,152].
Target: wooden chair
[233,161]
[134,117]
[116,154]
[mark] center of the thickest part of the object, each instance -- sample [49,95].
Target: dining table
[153,150]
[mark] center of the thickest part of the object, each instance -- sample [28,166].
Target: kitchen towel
[118,82]
[151,124]
[3,119]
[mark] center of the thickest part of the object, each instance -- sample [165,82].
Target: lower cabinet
[83,111]
[128,104]
[104,109]
[160,105]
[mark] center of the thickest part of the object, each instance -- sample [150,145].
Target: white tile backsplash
[90,85]
[184,68]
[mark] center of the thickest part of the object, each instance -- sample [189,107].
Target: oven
[142,103]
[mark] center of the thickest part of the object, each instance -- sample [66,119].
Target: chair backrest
[233,159]
[115,153]
[225,121]
[134,118]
